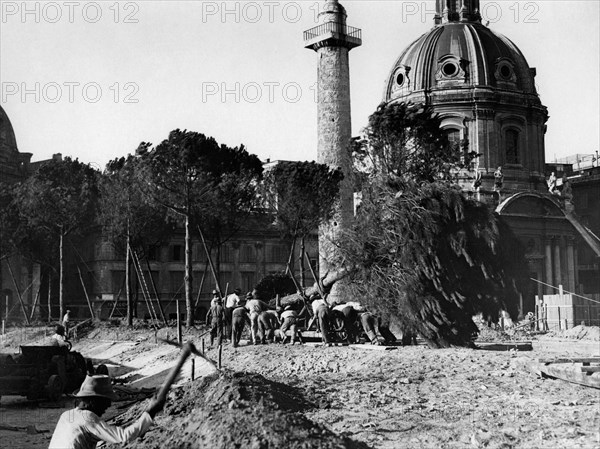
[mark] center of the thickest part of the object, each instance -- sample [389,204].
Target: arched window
[454,142]
[512,146]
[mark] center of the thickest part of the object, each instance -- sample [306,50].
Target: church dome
[7,135]
[459,55]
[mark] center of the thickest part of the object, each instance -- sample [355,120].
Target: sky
[92,80]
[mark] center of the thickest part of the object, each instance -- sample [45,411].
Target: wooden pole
[116,302]
[220,354]
[291,256]
[86,294]
[35,301]
[179,337]
[201,284]
[314,275]
[202,345]
[210,262]
[160,308]
[49,296]
[18,291]
[193,368]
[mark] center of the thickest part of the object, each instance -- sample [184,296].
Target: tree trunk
[128,296]
[188,272]
[218,264]
[302,251]
[327,282]
[61,278]
[49,295]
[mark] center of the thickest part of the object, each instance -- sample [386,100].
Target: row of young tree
[188,181]
[420,252]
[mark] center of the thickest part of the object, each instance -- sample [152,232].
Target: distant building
[17,276]
[583,174]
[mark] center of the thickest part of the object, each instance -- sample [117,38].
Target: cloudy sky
[93,79]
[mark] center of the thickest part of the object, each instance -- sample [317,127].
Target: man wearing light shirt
[321,311]
[231,302]
[82,428]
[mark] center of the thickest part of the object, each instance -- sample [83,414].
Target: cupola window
[505,73]
[450,69]
[512,146]
[400,79]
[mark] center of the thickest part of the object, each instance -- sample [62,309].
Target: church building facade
[482,87]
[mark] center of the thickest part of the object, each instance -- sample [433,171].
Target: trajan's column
[332,39]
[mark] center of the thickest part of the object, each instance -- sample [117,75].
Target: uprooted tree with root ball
[424,254]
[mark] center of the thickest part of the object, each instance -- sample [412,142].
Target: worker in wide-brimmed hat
[82,428]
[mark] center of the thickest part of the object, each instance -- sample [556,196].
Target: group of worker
[269,325]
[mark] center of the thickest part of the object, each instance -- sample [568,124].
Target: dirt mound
[236,410]
[589,333]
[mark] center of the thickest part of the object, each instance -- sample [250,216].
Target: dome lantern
[457,11]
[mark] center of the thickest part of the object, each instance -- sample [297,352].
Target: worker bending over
[255,307]
[289,319]
[268,321]
[321,311]
[239,317]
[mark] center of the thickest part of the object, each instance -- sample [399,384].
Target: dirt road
[411,397]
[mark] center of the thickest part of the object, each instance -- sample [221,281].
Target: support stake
[179,337]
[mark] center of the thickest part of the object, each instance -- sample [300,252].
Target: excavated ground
[342,397]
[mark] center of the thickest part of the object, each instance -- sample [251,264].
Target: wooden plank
[569,373]
[505,346]
[315,344]
[374,347]
[571,360]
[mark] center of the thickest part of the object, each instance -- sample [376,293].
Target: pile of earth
[588,333]
[236,410]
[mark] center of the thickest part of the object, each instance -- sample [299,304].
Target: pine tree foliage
[124,211]
[301,195]
[189,174]
[57,201]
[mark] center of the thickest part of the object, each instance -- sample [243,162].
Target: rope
[565,291]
